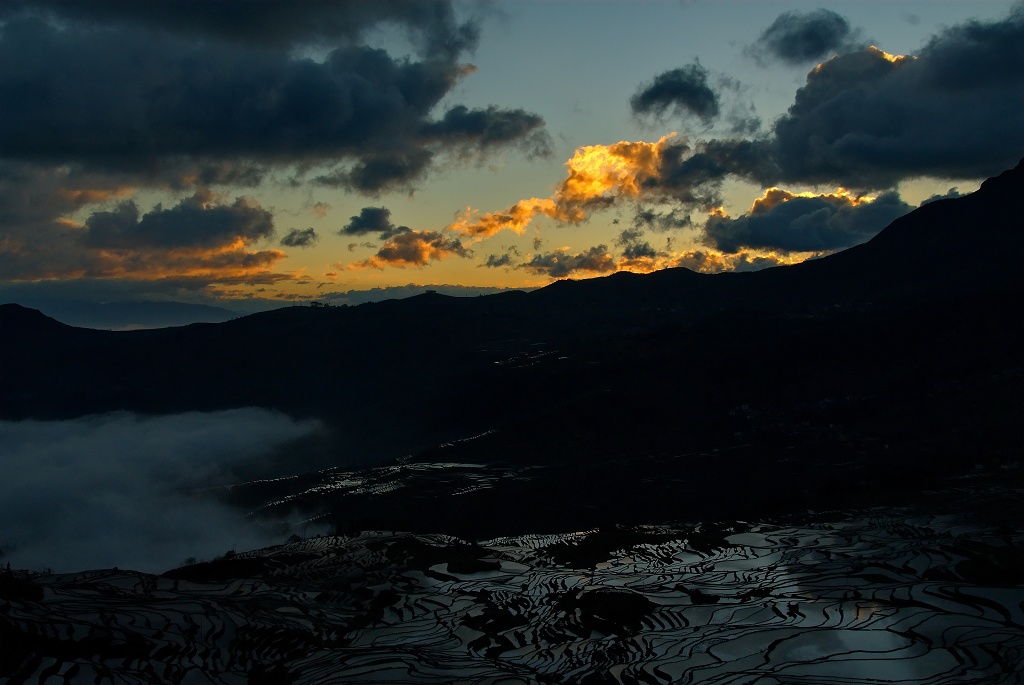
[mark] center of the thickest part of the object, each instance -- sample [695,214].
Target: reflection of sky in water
[880,598]
[453,478]
[862,599]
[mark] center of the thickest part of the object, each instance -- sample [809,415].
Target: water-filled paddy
[882,595]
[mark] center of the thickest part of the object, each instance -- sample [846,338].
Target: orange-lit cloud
[772,197]
[199,240]
[870,52]
[232,262]
[598,176]
[413,248]
[225,265]
[889,57]
[516,218]
[710,260]
[84,196]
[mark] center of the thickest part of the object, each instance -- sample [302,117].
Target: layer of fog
[132,491]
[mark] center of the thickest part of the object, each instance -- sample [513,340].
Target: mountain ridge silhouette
[903,258]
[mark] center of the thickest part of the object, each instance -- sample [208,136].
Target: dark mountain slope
[964,245]
[129,315]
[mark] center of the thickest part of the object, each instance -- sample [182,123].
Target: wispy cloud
[127,490]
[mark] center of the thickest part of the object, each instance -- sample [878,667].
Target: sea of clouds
[132,491]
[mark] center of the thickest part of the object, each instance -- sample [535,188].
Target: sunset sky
[227,151]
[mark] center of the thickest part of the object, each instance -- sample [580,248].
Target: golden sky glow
[888,56]
[709,261]
[774,196]
[871,51]
[522,167]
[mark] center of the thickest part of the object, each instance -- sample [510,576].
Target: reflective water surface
[884,596]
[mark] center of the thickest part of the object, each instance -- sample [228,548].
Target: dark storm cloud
[633,245]
[275,23]
[100,99]
[490,127]
[681,91]
[801,37]
[377,170]
[561,263]
[743,120]
[304,237]
[495,261]
[788,223]
[628,236]
[120,98]
[31,196]
[661,221]
[122,490]
[194,222]
[639,250]
[867,119]
[159,97]
[693,176]
[372,220]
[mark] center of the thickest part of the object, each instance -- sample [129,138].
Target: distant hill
[125,316]
[963,244]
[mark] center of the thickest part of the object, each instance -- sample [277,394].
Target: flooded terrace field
[892,595]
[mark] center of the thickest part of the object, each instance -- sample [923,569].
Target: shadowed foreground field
[882,595]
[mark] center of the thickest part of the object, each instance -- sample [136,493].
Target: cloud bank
[126,490]
[102,100]
[784,221]
[171,102]
[868,119]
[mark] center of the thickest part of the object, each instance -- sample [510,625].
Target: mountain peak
[1011,180]
[14,316]
[13,313]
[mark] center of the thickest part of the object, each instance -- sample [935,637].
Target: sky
[254,152]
